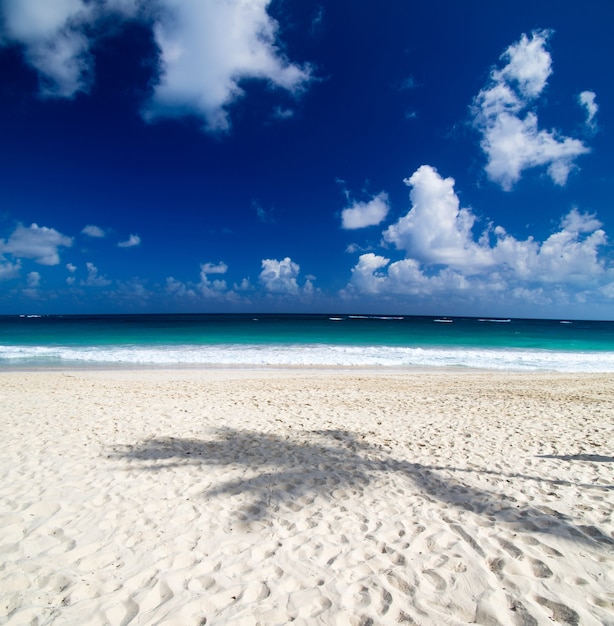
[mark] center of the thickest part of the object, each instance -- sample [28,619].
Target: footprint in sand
[359,595]
[560,612]
[496,566]
[546,549]
[540,569]
[514,551]
[435,579]
[385,601]
[604,603]
[402,585]
[522,616]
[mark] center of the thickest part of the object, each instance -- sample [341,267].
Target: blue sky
[447,158]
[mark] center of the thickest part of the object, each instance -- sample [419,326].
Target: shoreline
[319,496]
[375,370]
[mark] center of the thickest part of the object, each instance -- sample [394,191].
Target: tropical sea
[256,340]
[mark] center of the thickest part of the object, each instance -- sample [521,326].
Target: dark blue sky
[409,157]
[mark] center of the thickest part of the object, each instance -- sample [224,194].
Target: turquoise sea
[68,341]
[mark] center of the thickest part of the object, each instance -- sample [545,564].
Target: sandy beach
[306,496]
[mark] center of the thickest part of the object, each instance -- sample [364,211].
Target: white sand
[311,497]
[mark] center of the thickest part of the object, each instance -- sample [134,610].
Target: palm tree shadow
[317,463]
[593,458]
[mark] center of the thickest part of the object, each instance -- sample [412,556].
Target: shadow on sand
[592,458]
[283,469]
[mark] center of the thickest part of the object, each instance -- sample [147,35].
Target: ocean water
[399,342]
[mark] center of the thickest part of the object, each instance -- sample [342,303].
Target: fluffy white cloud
[93,231]
[362,214]
[206,50]
[436,230]
[366,274]
[53,40]
[444,257]
[280,277]
[376,275]
[36,242]
[528,64]
[568,256]
[209,287]
[132,241]
[511,137]
[587,100]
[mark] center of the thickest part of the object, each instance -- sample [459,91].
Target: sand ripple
[347,498]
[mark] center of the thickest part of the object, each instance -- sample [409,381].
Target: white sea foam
[323,355]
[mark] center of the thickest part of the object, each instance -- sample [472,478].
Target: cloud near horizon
[205,50]
[93,278]
[443,255]
[511,138]
[280,277]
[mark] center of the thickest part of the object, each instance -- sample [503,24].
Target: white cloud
[93,279]
[214,288]
[179,289]
[366,274]
[282,113]
[206,49]
[207,286]
[34,280]
[376,275]
[587,100]
[36,242]
[213,268]
[133,240]
[568,256]
[8,270]
[362,214]
[528,64]
[280,277]
[70,280]
[512,141]
[93,231]
[445,258]
[436,230]
[53,42]
[244,286]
